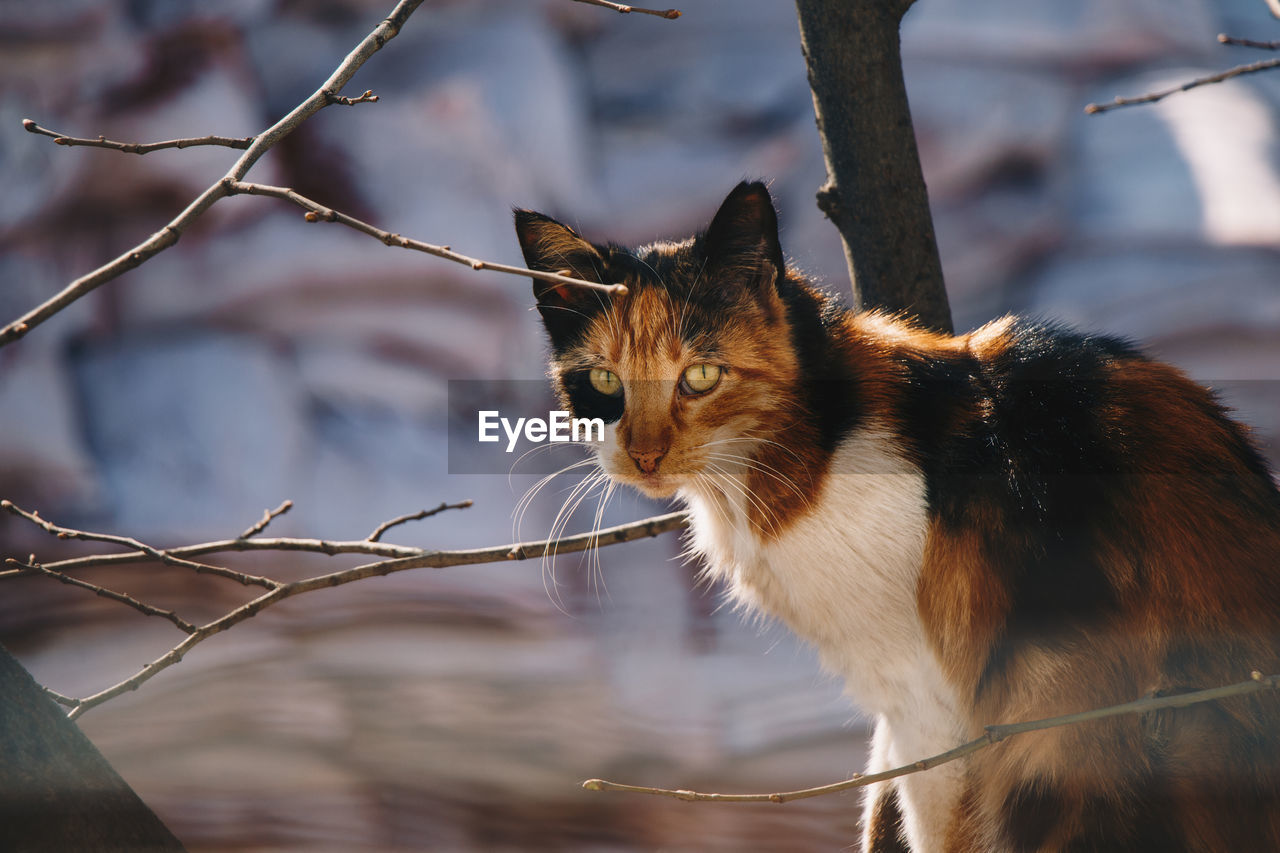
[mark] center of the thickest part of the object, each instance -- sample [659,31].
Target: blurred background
[263,358]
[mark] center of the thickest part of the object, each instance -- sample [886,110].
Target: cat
[1005,525]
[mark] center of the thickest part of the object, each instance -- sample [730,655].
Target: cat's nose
[647,459]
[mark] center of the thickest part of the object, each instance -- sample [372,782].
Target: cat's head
[695,366]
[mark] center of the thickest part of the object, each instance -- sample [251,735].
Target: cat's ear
[552,246]
[741,243]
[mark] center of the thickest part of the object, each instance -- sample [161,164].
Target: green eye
[606,382]
[700,378]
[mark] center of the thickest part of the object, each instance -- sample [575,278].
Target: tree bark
[875,193]
[57,792]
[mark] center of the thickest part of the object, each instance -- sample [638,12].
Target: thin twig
[669,14]
[1261,45]
[327,547]
[386,30]
[1192,84]
[230,183]
[429,559]
[268,516]
[137,147]
[316,212]
[992,735]
[401,559]
[176,654]
[133,544]
[413,516]
[367,98]
[128,600]
[424,558]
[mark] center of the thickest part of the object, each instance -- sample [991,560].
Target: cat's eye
[606,382]
[700,378]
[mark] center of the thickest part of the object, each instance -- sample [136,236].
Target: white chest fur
[844,577]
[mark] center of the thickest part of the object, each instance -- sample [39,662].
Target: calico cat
[1010,524]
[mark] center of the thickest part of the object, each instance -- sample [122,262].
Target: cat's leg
[883,832]
[918,808]
[882,827]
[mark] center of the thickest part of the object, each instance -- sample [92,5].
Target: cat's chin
[656,485]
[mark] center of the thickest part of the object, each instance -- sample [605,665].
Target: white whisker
[580,492]
[526,500]
[757,465]
[748,496]
[595,570]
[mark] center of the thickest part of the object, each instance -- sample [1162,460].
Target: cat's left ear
[741,243]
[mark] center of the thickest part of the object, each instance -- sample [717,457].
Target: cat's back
[1040,424]
[1096,483]
[1084,434]
[1101,529]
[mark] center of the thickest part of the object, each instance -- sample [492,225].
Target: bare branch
[59,698]
[645,528]
[316,212]
[388,29]
[1261,45]
[669,14]
[176,654]
[231,183]
[153,245]
[428,559]
[401,559]
[169,234]
[414,516]
[130,542]
[268,516]
[146,609]
[327,547]
[992,735]
[1192,84]
[136,147]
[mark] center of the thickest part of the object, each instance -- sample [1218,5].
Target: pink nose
[647,460]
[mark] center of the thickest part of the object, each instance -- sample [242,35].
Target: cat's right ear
[552,246]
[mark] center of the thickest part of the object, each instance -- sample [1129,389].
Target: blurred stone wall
[263,358]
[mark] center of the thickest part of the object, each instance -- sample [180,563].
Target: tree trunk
[875,193]
[57,792]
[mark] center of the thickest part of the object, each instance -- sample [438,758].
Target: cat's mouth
[655,484]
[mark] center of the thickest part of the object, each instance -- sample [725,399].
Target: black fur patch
[1143,823]
[1023,442]
[828,383]
[886,826]
[586,402]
